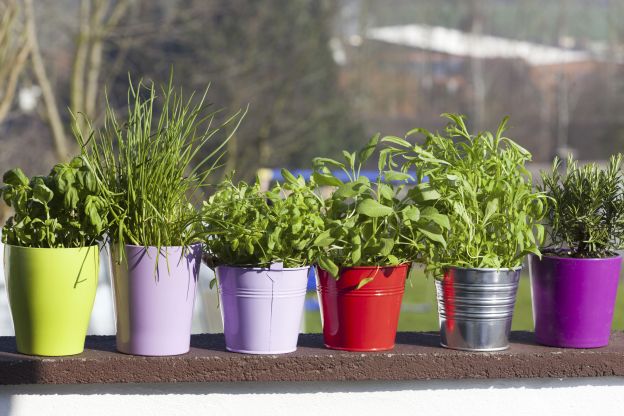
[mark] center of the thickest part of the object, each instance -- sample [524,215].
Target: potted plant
[262,245]
[152,166]
[574,284]
[51,256]
[486,192]
[373,231]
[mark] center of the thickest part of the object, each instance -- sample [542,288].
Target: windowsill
[417,356]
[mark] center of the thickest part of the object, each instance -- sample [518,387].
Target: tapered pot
[262,308]
[573,299]
[475,307]
[364,319]
[51,293]
[154,297]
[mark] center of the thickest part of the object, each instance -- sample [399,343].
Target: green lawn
[420,312]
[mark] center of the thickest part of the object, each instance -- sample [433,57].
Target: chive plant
[153,164]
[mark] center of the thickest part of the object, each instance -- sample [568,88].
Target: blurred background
[319,76]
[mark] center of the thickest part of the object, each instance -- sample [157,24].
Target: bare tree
[97,20]
[14,50]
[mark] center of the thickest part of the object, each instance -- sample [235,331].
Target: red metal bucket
[364,319]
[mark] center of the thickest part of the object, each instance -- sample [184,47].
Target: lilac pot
[154,297]
[573,300]
[262,308]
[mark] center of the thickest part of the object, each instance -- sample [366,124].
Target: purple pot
[262,308]
[154,298]
[573,300]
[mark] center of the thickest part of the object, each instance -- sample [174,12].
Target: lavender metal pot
[154,297]
[262,307]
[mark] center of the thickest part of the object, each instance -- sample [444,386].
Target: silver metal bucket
[476,306]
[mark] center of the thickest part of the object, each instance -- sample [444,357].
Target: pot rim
[143,246]
[51,248]
[486,269]
[263,269]
[371,267]
[561,258]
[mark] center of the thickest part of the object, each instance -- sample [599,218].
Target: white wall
[535,397]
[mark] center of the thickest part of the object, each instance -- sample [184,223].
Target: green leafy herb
[245,226]
[585,215]
[152,167]
[62,210]
[481,185]
[373,224]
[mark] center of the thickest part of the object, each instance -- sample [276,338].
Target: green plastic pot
[51,293]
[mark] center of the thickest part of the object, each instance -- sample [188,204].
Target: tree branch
[54,119]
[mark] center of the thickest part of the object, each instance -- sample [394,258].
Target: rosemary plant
[585,215]
[150,165]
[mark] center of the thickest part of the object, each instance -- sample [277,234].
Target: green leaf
[71,198]
[326,180]
[396,140]
[356,254]
[90,184]
[433,235]
[431,214]
[423,193]
[412,213]
[349,158]
[391,175]
[387,244]
[15,177]
[490,209]
[76,162]
[350,189]
[364,282]
[373,209]
[289,177]
[329,266]
[386,191]
[324,239]
[368,150]
[42,194]
[322,161]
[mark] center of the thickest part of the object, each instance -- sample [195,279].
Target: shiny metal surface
[475,307]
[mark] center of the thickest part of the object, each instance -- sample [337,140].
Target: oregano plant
[585,214]
[64,209]
[245,226]
[373,223]
[482,185]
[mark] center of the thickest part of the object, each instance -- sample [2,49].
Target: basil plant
[62,210]
[384,222]
[482,185]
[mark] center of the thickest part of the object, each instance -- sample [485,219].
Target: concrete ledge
[417,356]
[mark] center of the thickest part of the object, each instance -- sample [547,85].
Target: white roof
[455,42]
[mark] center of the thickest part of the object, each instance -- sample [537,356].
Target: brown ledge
[417,356]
